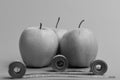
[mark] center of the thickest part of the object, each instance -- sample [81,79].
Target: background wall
[101,16]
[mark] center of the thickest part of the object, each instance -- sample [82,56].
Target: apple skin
[79,46]
[60,33]
[38,46]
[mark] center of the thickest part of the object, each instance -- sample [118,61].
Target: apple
[79,46]
[59,33]
[38,46]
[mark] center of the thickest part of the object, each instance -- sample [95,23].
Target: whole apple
[38,46]
[79,46]
[59,33]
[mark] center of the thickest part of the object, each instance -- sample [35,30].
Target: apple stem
[58,21]
[40,25]
[81,23]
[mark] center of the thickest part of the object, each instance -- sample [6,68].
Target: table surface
[69,74]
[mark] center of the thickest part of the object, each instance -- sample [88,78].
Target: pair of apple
[38,45]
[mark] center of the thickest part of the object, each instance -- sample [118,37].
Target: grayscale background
[101,16]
